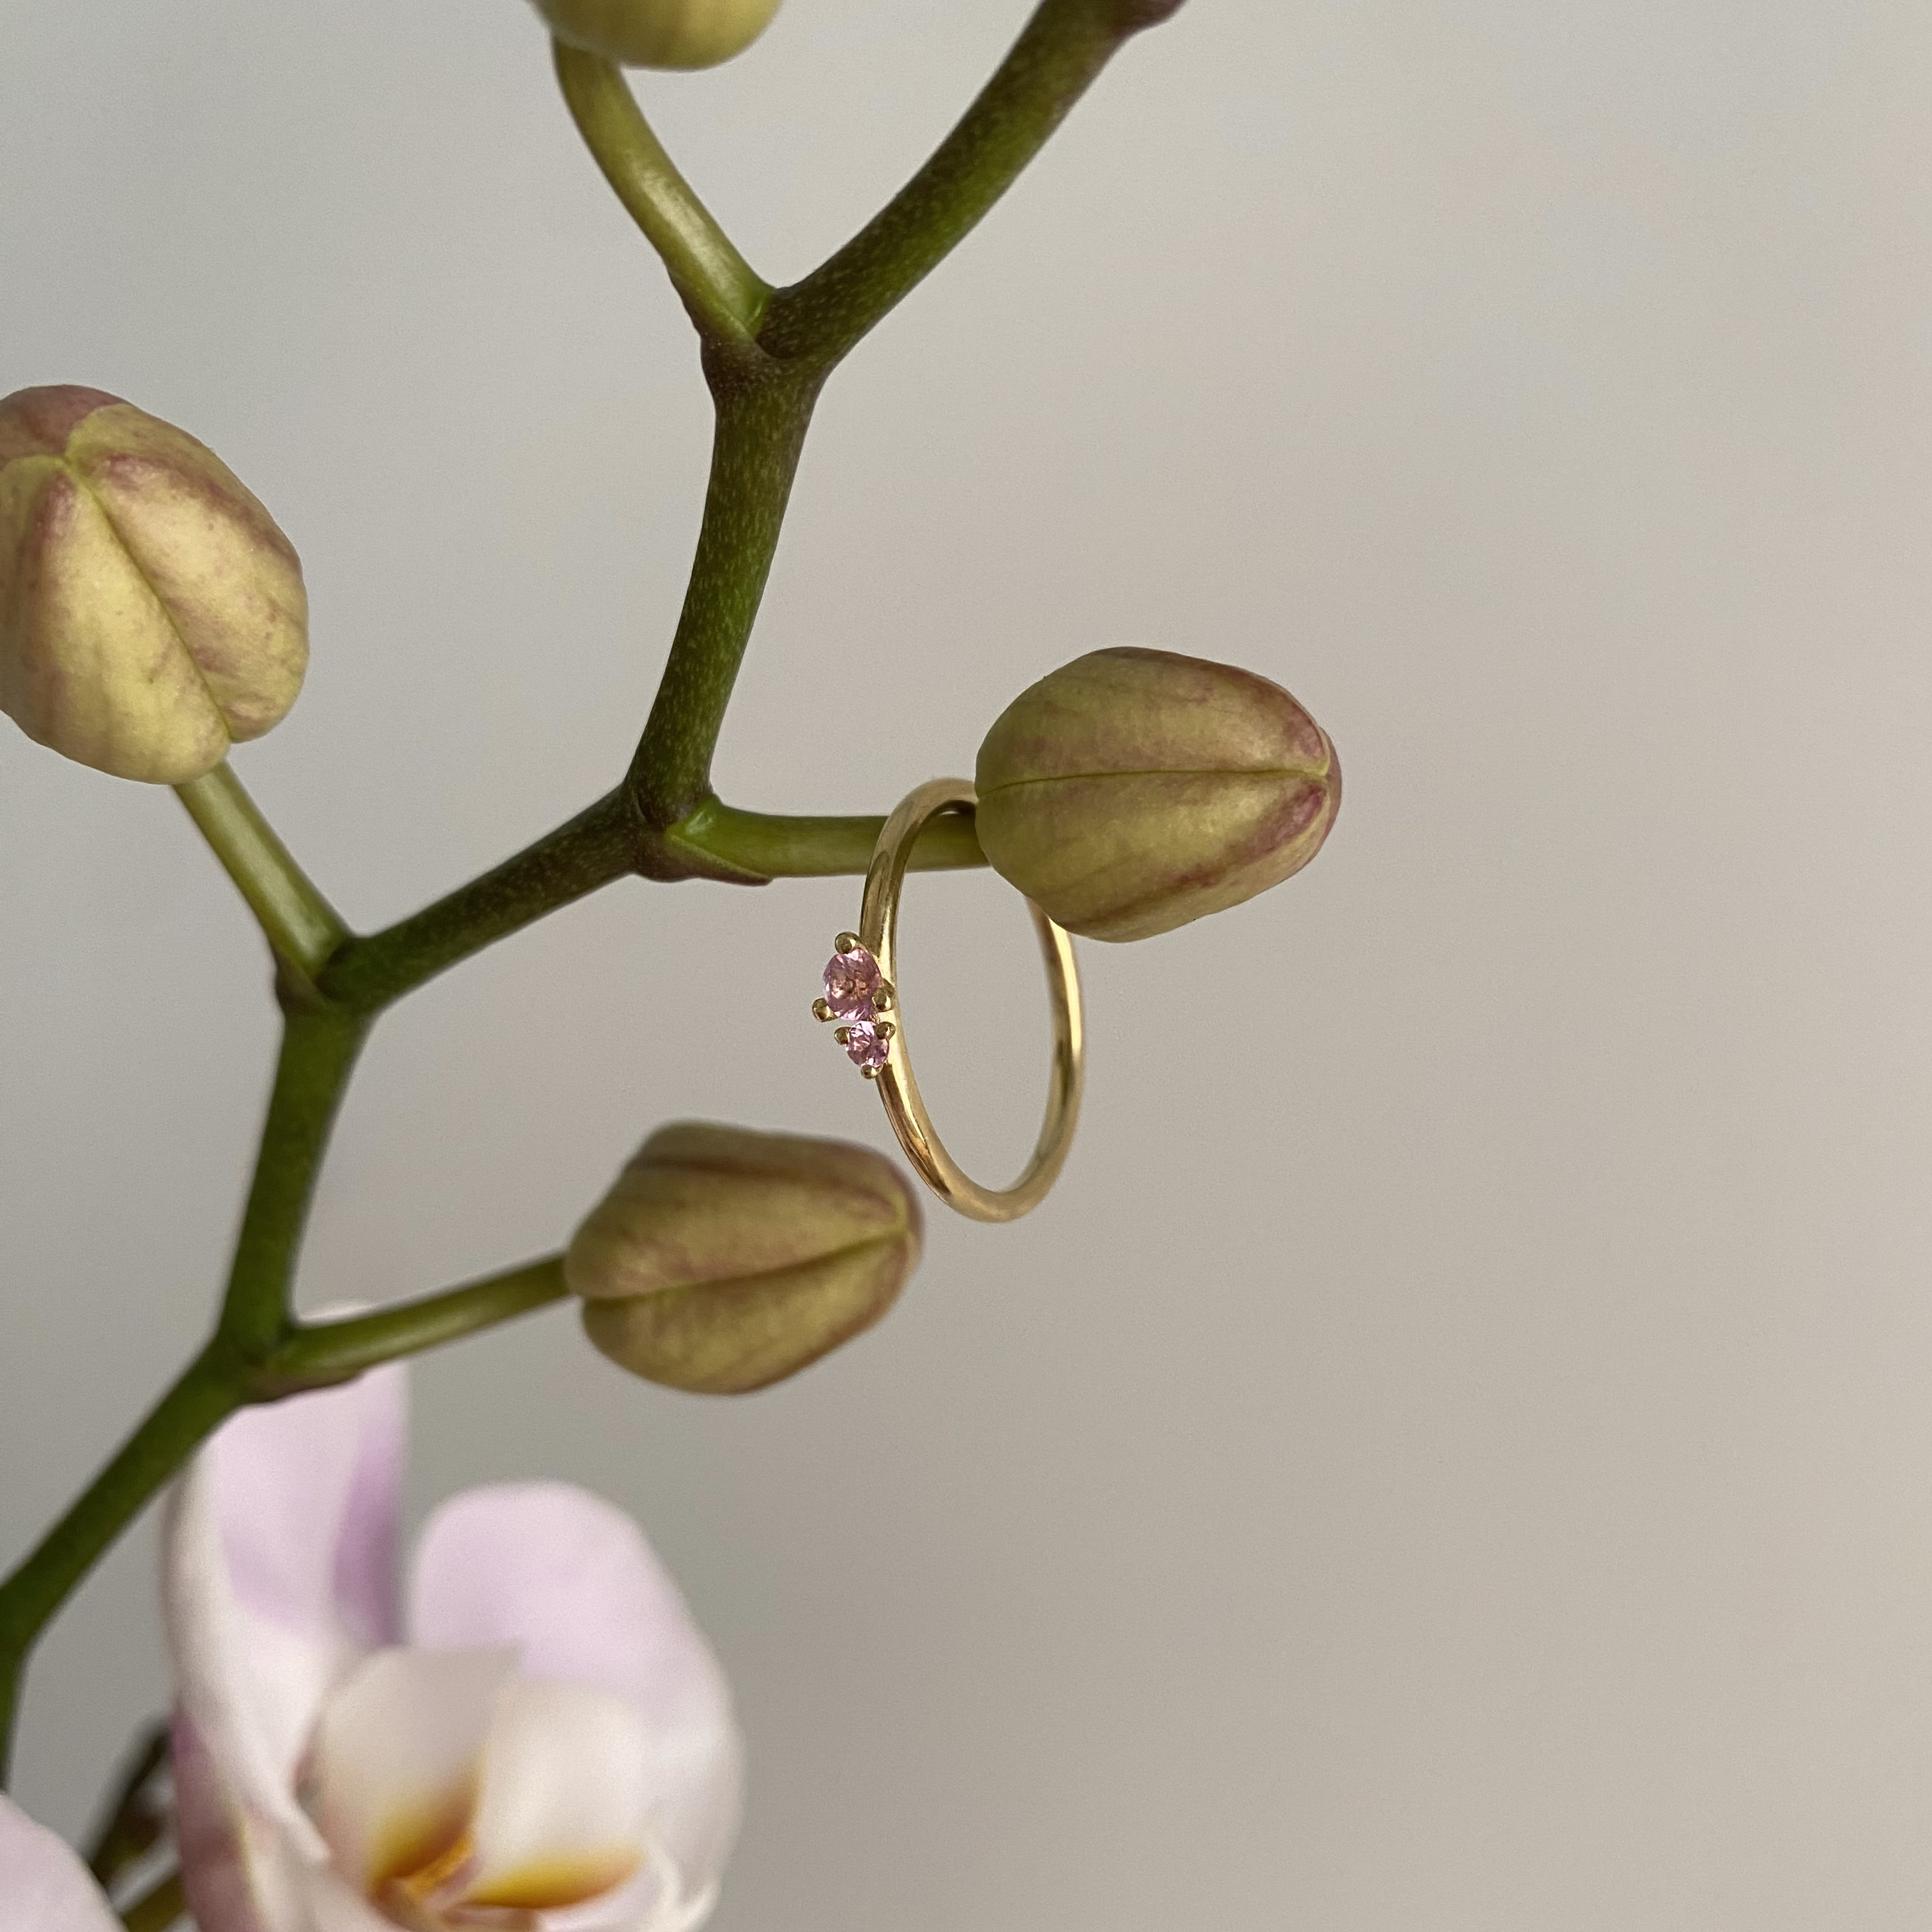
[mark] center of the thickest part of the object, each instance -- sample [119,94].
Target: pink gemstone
[864,1046]
[850,980]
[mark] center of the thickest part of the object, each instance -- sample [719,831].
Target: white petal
[324,1904]
[652,1902]
[396,1757]
[560,1819]
[229,1889]
[278,1571]
[244,1875]
[571,1580]
[43,1886]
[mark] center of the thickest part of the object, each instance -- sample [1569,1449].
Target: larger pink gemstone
[850,980]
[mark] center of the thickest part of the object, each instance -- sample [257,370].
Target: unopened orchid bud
[151,614]
[659,33]
[724,1260]
[1132,790]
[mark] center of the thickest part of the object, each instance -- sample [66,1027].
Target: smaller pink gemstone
[850,980]
[864,1046]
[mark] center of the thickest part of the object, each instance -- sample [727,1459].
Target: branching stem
[763,414]
[302,927]
[319,1353]
[319,1052]
[600,844]
[766,356]
[725,295]
[772,846]
[155,1911]
[1059,55]
[207,1394]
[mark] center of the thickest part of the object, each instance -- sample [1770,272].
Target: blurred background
[1456,1451]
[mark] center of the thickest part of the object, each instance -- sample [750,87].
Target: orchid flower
[540,1738]
[43,1886]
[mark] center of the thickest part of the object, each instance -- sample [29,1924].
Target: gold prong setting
[855,994]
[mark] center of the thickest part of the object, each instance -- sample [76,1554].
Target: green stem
[765,356]
[219,1382]
[157,1910]
[327,1352]
[763,414]
[136,1815]
[598,845]
[300,924]
[768,846]
[765,397]
[1057,57]
[319,1052]
[725,295]
[209,1391]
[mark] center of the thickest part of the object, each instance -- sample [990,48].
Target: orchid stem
[300,926]
[155,1911]
[318,1055]
[766,354]
[219,1382]
[763,412]
[323,1353]
[602,844]
[771,845]
[135,1815]
[1059,55]
[209,1392]
[725,295]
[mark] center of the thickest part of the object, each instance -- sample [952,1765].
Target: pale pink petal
[43,1887]
[311,1490]
[571,1580]
[243,1875]
[221,1893]
[277,1571]
[560,1817]
[396,1756]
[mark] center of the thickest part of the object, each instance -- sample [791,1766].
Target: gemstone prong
[819,1010]
[846,942]
[868,1073]
[882,1000]
[886,1029]
[844,1036]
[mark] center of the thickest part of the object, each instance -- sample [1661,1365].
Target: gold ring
[861,988]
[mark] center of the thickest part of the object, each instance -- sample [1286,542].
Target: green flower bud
[1131,791]
[151,614]
[659,33]
[725,1260]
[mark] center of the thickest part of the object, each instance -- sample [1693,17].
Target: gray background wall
[1456,1450]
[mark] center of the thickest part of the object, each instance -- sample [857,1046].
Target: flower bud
[659,33]
[1132,790]
[724,1260]
[151,614]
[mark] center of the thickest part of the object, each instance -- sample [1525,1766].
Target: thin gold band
[878,931]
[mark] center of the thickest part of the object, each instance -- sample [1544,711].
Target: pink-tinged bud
[1132,790]
[151,614]
[659,33]
[724,1260]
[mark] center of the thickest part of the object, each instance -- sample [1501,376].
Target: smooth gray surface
[1456,1450]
